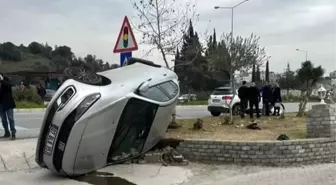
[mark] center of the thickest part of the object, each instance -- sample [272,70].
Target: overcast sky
[92,26]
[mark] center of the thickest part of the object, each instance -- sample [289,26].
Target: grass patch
[205,102]
[271,128]
[28,105]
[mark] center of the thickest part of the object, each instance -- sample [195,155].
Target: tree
[267,72]
[238,54]
[253,73]
[8,51]
[191,74]
[163,23]
[288,80]
[35,48]
[258,75]
[308,76]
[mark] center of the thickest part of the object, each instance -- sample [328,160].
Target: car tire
[82,75]
[215,114]
[236,110]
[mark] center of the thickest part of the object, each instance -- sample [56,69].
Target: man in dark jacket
[41,91]
[267,98]
[7,105]
[254,99]
[243,96]
[276,94]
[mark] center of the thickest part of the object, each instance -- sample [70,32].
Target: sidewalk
[21,134]
[17,155]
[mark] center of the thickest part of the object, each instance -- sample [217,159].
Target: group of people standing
[7,106]
[250,95]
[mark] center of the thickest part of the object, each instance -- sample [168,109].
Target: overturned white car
[94,120]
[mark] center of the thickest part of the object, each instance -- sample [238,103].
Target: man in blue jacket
[7,105]
[243,96]
[266,98]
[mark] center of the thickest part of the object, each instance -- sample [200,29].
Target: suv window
[222,92]
[162,92]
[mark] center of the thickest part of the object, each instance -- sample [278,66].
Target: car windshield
[222,91]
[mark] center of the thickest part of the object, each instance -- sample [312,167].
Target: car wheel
[82,75]
[215,114]
[236,110]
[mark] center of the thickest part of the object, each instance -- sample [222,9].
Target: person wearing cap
[7,106]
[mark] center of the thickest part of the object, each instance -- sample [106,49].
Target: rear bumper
[218,109]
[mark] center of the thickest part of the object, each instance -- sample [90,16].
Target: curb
[43,109]
[30,110]
[190,106]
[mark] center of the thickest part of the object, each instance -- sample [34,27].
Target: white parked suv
[220,102]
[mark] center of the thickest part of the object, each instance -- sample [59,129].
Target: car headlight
[86,104]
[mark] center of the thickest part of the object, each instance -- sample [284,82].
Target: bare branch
[163,23]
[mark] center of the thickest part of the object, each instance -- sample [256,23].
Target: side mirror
[144,87]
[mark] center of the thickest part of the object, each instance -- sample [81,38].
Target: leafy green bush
[27,95]
[28,105]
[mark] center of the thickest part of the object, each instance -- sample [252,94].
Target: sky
[92,27]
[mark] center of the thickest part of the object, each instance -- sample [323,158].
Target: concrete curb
[190,106]
[30,110]
[43,109]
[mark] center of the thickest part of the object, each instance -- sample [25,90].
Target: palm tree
[308,76]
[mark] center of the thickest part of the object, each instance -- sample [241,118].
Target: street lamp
[322,92]
[232,8]
[303,51]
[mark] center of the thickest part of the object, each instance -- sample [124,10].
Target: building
[243,76]
[333,74]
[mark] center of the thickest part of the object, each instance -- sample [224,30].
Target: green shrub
[28,105]
[27,95]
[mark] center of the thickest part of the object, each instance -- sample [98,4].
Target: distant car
[187,97]
[94,120]
[49,94]
[220,102]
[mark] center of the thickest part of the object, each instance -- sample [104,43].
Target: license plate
[50,140]
[215,100]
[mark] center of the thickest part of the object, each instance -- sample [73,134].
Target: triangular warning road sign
[126,41]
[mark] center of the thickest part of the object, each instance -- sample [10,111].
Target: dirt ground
[271,128]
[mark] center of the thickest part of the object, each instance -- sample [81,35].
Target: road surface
[33,120]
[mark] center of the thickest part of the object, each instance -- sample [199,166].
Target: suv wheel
[215,113]
[236,110]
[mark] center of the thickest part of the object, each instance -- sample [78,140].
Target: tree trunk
[303,102]
[234,94]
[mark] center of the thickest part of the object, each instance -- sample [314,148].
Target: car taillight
[227,97]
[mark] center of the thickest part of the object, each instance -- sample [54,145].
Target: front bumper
[61,122]
[218,109]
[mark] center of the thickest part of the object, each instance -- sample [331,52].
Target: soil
[270,128]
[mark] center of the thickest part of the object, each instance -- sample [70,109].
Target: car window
[170,88]
[222,92]
[154,93]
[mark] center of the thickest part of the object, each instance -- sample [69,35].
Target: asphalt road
[32,120]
